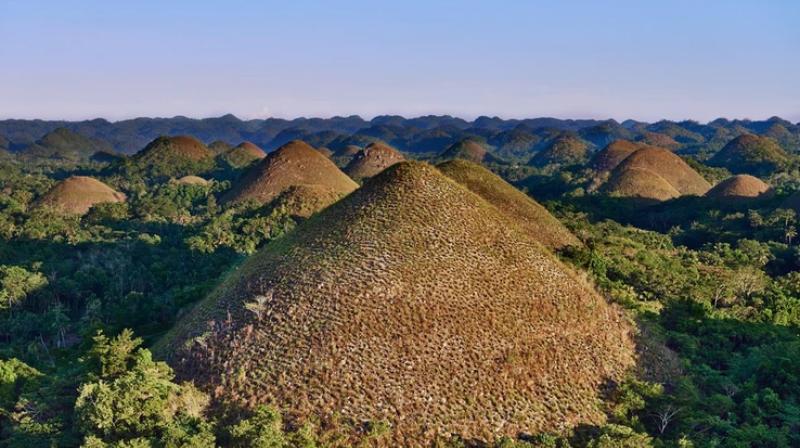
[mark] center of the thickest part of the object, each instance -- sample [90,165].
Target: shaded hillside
[412,301]
[516,143]
[529,214]
[64,145]
[294,163]
[172,157]
[77,194]
[751,154]
[566,149]
[373,159]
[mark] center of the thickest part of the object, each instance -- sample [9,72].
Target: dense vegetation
[82,297]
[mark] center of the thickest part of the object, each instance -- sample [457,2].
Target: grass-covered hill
[167,157]
[62,144]
[413,301]
[295,163]
[656,174]
[242,155]
[534,219]
[373,159]
[605,160]
[469,149]
[751,154]
[741,186]
[566,149]
[77,194]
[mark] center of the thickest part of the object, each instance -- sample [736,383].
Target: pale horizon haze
[676,60]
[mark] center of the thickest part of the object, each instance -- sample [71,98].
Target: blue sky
[620,59]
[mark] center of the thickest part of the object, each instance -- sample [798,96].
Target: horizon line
[409,117]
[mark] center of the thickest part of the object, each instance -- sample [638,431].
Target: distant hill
[742,186]
[613,154]
[64,145]
[751,154]
[295,163]
[243,155]
[512,139]
[77,194]
[373,159]
[172,157]
[411,301]
[655,174]
[469,149]
[566,149]
[531,216]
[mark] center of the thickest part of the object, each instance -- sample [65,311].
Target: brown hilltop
[295,163]
[613,154]
[751,154]
[660,140]
[655,173]
[566,149]
[243,154]
[742,186]
[173,157]
[529,214]
[469,149]
[414,301]
[191,180]
[77,194]
[373,159]
[180,146]
[640,184]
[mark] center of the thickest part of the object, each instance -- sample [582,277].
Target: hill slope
[469,149]
[77,194]
[65,145]
[373,159]
[243,154]
[173,157]
[613,154]
[750,154]
[565,149]
[413,301]
[655,173]
[535,219]
[742,186]
[295,163]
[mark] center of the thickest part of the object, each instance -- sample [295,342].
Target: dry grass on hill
[655,173]
[535,219]
[295,163]
[373,159]
[415,301]
[191,180]
[77,194]
[640,184]
[563,150]
[469,149]
[613,154]
[244,154]
[742,186]
[178,147]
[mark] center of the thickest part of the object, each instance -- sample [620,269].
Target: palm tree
[790,234]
